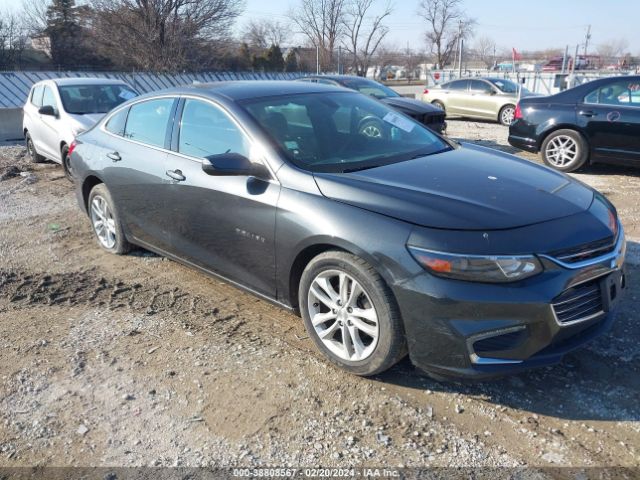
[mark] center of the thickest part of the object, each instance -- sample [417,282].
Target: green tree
[274,60]
[64,32]
[291,61]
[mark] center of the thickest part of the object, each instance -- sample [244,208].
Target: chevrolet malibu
[474,262]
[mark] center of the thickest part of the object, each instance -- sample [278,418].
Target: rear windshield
[369,87]
[85,99]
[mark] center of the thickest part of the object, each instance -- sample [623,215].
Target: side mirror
[47,110]
[233,164]
[492,92]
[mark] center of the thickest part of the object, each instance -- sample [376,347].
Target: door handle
[176,175]
[588,113]
[115,156]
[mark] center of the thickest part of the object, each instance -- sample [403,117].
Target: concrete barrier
[10,124]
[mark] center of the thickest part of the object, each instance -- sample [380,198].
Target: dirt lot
[136,360]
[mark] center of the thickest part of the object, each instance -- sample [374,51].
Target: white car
[58,110]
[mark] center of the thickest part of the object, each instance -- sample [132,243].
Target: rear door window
[148,121]
[458,85]
[622,92]
[116,124]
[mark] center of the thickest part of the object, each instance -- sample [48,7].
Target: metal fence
[546,83]
[15,86]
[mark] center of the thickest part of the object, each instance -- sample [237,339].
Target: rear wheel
[565,150]
[439,104]
[506,115]
[371,128]
[31,149]
[105,221]
[351,314]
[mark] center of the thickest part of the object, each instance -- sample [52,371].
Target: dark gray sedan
[474,262]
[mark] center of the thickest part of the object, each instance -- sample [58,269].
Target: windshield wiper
[359,169]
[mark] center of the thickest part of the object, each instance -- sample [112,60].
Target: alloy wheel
[103,222]
[343,316]
[507,115]
[561,151]
[30,149]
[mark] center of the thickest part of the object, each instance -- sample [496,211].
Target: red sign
[436,75]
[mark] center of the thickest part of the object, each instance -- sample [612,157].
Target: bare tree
[13,40]
[364,40]
[265,33]
[485,50]
[446,24]
[162,35]
[34,14]
[322,22]
[612,49]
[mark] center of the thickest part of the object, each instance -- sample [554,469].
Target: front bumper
[474,330]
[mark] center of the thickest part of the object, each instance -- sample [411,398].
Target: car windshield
[85,99]
[506,86]
[369,87]
[341,132]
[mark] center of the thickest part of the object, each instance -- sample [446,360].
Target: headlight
[475,268]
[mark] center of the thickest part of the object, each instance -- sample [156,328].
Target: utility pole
[587,37]
[460,45]
[564,59]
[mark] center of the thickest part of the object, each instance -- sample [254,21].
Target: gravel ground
[138,361]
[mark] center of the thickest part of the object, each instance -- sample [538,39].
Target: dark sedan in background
[425,113]
[474,262]
[598,121]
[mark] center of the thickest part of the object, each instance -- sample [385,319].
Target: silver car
[58,110]
[483,98]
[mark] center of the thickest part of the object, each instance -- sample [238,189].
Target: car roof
[247,89]
[337,78]
[85,81]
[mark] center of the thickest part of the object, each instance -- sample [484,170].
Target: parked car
[425,113]
[595,122]
[476,262]
[58,110]
[483,98]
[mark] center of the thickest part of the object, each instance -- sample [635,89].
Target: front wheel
[351,314]
[507,114]
[565,150]
[66,159]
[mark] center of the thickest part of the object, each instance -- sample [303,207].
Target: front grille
[586,251]
[579,302]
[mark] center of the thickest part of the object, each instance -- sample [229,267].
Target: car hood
[87,120]
[410,105]
[467,188]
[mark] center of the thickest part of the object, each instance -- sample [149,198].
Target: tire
[440,105]
[68,171]
[565,150]
[505,117]
[31,149]
[384,344]
[112,239]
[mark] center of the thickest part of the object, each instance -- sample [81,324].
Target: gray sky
[524,25]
